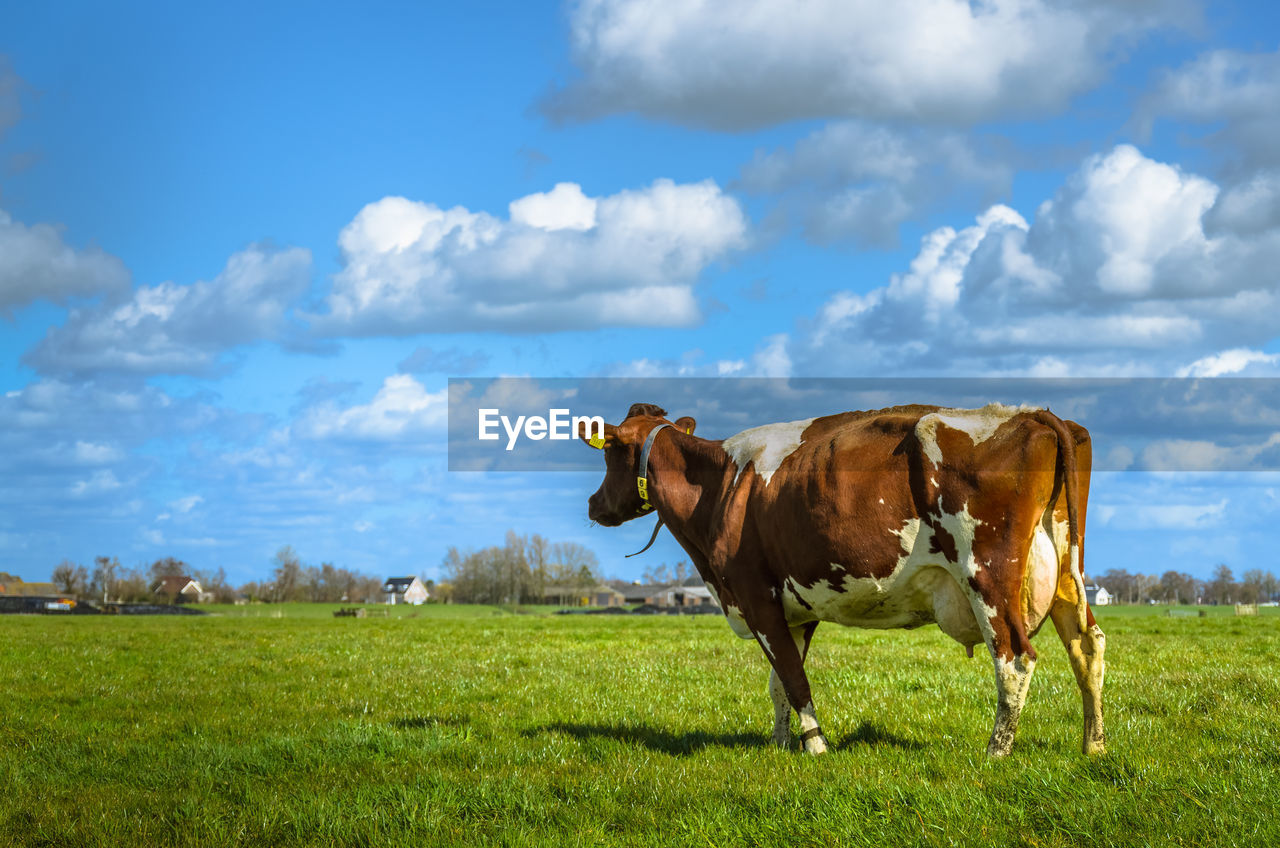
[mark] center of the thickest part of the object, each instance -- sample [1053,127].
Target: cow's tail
[1070,490]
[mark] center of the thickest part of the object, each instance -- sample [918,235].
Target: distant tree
[168,567]
[1146,587]
[658,575]
[71,579]
[287,574]
[1178,588]
[1252,586]
[519,571]
[1271,587]
[133,584]
[106,571]
[215,583]
[1222,587]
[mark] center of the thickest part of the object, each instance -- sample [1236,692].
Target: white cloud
[185,505]
[1201,455]
[93,453]
[565,207]
[1162,516]
[562,261]
[1116,275]
[1231,91]
[1227,362]
[100,482]
[854,180]
[180,329]
[36,264]
[769,61]
[402,409]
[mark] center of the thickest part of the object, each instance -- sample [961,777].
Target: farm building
[686,596]
[405,590]
[600,595]
[690,593]
[17,587]
[1097,596]
[180,589]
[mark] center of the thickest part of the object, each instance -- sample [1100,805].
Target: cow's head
[618,499]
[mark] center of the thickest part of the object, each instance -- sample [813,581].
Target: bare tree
[1252,586]
[286,575]
[1222,588]
[105,577]
[71,579]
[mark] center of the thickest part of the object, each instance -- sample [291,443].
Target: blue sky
[242,249]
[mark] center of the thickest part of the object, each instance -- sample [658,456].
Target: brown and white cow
[972,519]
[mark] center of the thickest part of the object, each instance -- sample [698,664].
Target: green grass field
[467,726]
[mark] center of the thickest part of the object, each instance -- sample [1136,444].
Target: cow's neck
[688,477]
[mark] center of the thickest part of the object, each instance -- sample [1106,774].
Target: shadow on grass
[868,734]
[425,722]
[678,744]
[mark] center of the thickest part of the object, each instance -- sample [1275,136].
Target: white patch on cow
[764,643]
[962,526]
[737,622]
[979,424]
[923,587]
[934,482]
[765,446]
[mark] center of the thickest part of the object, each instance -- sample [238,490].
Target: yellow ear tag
[596,442]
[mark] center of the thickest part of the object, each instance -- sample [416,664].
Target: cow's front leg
[786,651]
[778,693]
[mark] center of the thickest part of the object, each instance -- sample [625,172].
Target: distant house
[600,595]
[405,590]
[1097,596]
[686,596]
[179,589]
[637,593]
[16,587]
[691,593]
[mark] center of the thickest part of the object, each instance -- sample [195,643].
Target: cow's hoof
[816,745]
[1094,746]
[997,750]
[782,740]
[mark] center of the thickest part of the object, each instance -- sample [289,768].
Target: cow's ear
[594,436]
[686,424]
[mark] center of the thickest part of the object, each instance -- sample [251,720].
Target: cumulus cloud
[1232,91]
[36,264]
[401,410]
[179,329]
[768,61]
[1235,361]
[851,180]
[561,260]
[1116,275]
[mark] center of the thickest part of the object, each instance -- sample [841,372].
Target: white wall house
[405,590]
[1097,596]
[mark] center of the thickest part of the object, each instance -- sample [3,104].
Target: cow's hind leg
[1015,661]
[781,706]
[1085,649]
